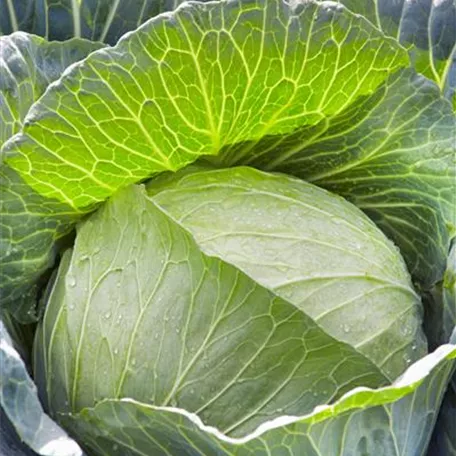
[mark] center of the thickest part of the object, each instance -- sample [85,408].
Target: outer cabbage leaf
[30,224]
[426,27]
[96,20]
[19,401]
[311,248]
[139,311]
[392,421]
[28,64]
[189,83]
[392,154]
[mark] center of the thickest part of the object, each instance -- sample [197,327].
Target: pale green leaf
[392,421]
[139,311]
[311,248]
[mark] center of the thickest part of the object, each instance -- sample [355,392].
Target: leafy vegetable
[219,344]
[218,335]
[260,293]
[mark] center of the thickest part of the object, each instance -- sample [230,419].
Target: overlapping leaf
[19,401]
[392,421]
[392,154]
[169,93]
[96,20]
[188,83]
[312,248]
[30,224]
[28,64]
[426,27]
[138,310]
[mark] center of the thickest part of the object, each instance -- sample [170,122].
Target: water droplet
[108,315]
[71,281]
[133,362]
[192,391]
[116,351]
[156,336]
[71,306]
[346,329]
[178,330]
